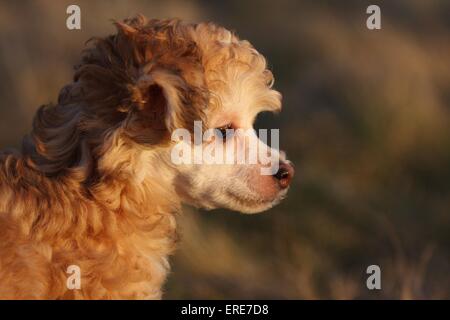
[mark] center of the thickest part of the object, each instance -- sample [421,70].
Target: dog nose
[284,174]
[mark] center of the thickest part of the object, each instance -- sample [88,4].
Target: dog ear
[159,97]
[162,93]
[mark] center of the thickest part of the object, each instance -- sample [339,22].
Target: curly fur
[91,186]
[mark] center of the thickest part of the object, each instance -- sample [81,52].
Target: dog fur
[94,185]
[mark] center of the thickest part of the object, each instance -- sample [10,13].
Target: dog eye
[223,131]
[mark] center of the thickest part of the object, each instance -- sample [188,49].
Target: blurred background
[366,120]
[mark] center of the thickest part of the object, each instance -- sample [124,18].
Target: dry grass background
[366,120]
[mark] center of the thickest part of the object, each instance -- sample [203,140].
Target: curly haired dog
[94,185]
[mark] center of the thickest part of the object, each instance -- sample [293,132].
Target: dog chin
[236,202]
[253,205]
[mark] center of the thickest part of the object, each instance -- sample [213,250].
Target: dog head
[239,87]
[154,78]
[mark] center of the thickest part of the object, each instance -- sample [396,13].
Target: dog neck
[136,186]
[124,219]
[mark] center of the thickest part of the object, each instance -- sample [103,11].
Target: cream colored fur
[94,185]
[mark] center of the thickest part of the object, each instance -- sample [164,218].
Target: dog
[94,186]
